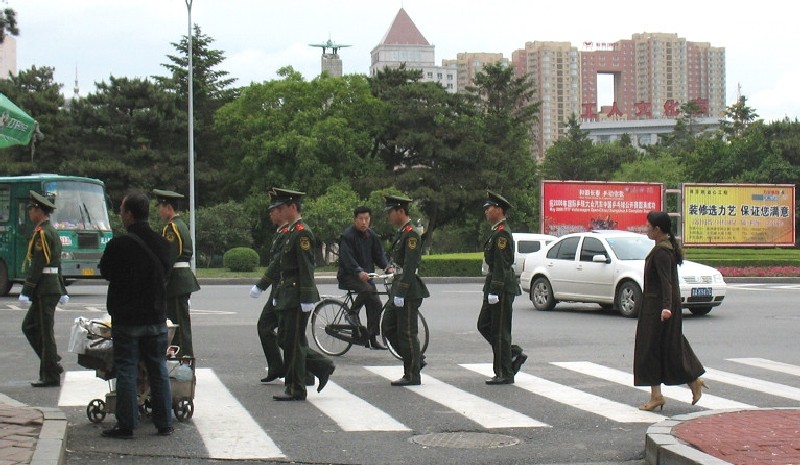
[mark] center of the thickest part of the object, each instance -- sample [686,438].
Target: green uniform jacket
[296,265]
[181,280]
[498,252]
[405,254]
[272,274]
[44,251]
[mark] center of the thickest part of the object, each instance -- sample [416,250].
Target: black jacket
[359,252]
[136,287]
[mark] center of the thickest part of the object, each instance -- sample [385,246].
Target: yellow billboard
[738,215]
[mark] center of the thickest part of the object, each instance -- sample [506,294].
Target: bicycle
[334,335]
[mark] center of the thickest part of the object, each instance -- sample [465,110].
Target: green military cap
[40,201]
[280,196]
[165,196]
[395,201]
[497,200]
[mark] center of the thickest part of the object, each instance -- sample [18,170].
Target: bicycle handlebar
[380,276]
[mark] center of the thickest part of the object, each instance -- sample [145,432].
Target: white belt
[181,265]
[50,270]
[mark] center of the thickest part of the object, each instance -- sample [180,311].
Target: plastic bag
[79,336]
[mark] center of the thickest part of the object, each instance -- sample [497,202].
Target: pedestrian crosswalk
[229,430]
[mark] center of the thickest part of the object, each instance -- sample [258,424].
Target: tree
[569,158]
[128,134]
[212,89]
[36,92]
[8,23]
[430,141]
[328,215]
[738,118]
[221,228]
[508,113]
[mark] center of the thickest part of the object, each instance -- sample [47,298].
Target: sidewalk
[31,435]
[718,437]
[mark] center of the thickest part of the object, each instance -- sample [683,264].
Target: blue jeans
[146,343]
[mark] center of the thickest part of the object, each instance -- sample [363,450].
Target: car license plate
[701,292]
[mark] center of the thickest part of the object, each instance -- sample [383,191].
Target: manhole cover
[465,440]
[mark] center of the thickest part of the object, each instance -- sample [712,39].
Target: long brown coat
[662,355]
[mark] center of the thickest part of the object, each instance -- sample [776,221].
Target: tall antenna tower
[76,89]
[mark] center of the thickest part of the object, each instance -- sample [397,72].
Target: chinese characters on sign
[738,214]
[573,206]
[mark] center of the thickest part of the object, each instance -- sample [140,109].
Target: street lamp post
[190,96]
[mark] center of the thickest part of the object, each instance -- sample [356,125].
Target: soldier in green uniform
[494,320]
[43,289]
[408,290]
[295,297]
[182,281]
[268,321]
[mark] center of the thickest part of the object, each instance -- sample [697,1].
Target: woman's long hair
[662,221]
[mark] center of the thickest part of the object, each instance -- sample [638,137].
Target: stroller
[91,340]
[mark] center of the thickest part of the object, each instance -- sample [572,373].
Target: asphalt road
[573,403]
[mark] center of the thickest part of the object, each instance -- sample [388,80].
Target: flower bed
[759,271]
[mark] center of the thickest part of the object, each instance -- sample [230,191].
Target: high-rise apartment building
[554,68]
[653,75]
[469,64]
[403,43]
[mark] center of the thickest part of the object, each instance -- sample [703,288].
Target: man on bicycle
[360,249]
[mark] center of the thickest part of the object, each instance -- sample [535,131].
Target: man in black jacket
[135,265]
[360,250]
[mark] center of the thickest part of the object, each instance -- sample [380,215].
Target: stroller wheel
[96,411]
[184,409]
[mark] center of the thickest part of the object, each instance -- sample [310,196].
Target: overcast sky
[127,38]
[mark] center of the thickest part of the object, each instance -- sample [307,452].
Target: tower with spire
[403,43]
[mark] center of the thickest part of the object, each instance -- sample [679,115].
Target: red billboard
[575,206]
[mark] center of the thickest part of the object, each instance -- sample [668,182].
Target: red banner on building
[574,206]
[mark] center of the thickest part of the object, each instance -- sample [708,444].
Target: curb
[52,443]
[661,447]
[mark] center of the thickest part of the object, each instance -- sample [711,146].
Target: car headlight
[67,256]
[718,278]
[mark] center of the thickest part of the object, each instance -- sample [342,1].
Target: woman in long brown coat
[662,355]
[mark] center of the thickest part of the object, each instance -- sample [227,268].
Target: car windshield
[630,248]
[79,206]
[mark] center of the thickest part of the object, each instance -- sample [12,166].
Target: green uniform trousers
[178,312]
[400,327]
[494,324]
[38,327]
[299,359]
[267,327]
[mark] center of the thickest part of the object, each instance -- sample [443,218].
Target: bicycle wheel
[422,334]
[326,313]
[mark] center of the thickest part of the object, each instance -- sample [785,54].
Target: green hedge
[464,264]
[240,259]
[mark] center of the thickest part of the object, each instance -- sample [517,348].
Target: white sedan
[524,244]
[607,267]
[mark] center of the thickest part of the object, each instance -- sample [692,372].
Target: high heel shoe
[653,403]
[697,389]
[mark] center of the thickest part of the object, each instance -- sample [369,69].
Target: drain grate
[465,440]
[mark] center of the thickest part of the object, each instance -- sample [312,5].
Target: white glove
[305,308]
[64,299]
[492,299]
[23,299]
[255,292]
[399,301]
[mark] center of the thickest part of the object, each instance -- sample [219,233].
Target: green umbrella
[16,126]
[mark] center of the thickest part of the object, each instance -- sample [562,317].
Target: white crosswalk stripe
[484,412]
[769,365]
[767,387]
[574,397]
[229,432]
[678,393]
[352,413]
[227,429]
